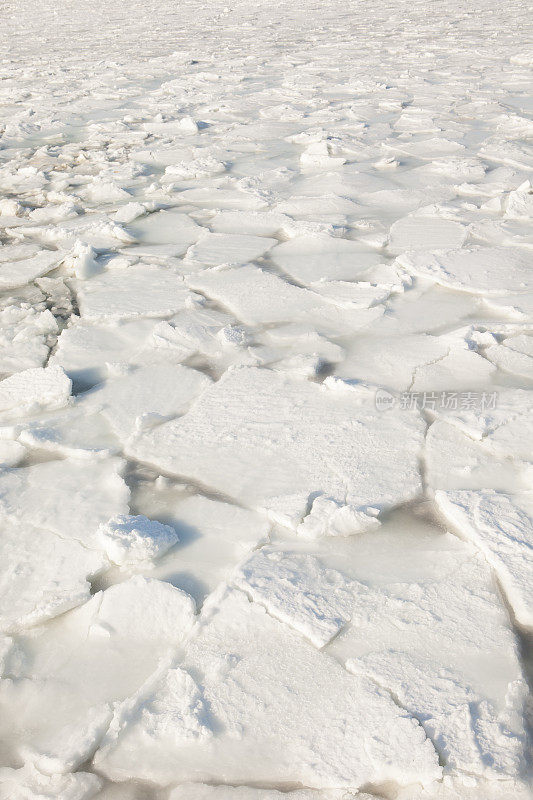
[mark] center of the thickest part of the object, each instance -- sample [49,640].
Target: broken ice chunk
[257,435]
[228,248]
[426,233]
[11,453]
[90,658]
[129,212]
[138,291]
[501,526]
[213,537]
[278,711]
[69,497]
[484,270]
[21,272]
[168,229]
[129,539]
[83,349]
[256,223]
[147,395]
[82,261]
[9,655]
[317,258]
[33,390]
[71,745]
[317,155]
[177,711]
[198,168]
[233,198]
[299,591]
[145,610]
[25,333]
[27,783]
[77,431]
[43,575]
[330,518]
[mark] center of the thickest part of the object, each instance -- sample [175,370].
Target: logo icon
[384,400]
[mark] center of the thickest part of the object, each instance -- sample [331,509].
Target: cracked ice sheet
[417,362]
[314,258]
[482,270]
[127,293]
[33,390]
[213,537]
[68,497]
[43,575]
[97,126]
[514,357]
[424,309]
[258,297]
[76,667]
[504,428]
[271,441]
[297,590]
[501,526]
[267,708]
[145,397]
[455,460]
[459,675]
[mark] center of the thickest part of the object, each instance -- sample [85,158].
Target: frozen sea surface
[266,390]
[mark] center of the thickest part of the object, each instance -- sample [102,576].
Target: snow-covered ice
[129,539]
[68,497]
[274,443]
[296,590]
[137,291]
[500,525]
[43,575]
[266,400]
[269,708]
[28,783]
[32,390]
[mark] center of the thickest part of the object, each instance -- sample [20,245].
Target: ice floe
[47,495]
[44,575]
[265,334]
[296,590]
[130,539]
[281,440]
[33,390]
[140,291]
[500,525]
[269,709]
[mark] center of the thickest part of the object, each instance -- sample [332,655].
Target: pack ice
[266,400]
[275,443]
[269,708]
